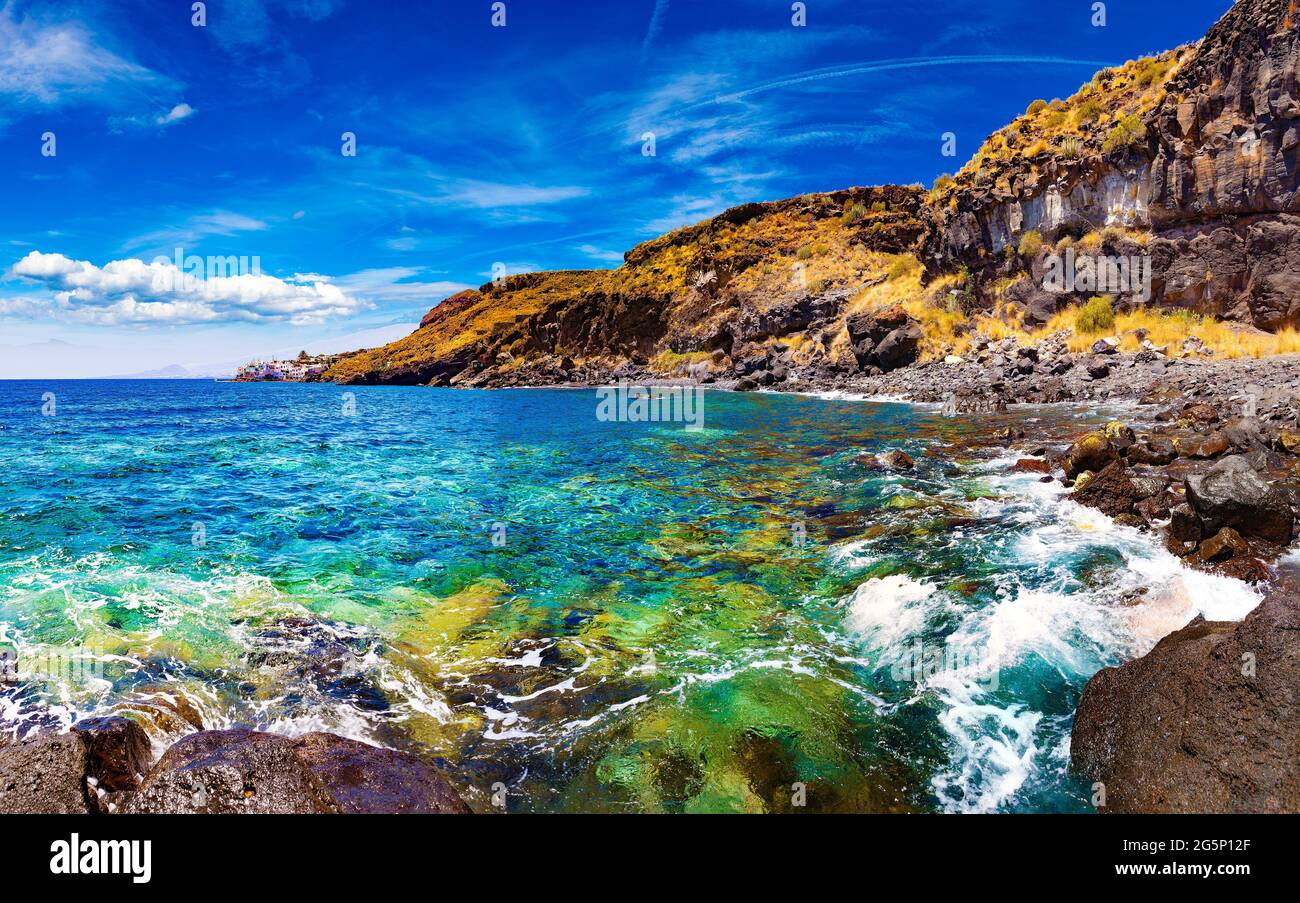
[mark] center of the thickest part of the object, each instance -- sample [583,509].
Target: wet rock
[1185,525]
[245,771]
[1205,722]
[1231,494]
[45,773]
[70,772]
[898,460]
[367,779]
[118,751]
[1225,544]
[1111,491]
[1091,452]
[1031,465]
[232,771]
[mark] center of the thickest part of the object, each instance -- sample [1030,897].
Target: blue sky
[476,145]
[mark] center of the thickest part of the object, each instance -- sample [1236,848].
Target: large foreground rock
[244,771]
[1205,722]
[64,773]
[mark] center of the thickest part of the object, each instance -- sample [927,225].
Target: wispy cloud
[49,64]
[195,229]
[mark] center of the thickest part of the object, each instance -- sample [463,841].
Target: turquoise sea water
[600,616]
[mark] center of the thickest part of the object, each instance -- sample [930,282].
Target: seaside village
[300,369]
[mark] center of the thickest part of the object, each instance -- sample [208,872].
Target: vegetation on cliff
[1186,160]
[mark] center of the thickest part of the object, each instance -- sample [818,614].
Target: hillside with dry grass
[1186,160]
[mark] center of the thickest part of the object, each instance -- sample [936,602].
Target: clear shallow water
[651,635]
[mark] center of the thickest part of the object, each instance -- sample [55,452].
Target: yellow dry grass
[1162,328]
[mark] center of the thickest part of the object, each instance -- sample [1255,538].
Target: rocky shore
[104,766]
[1205,722]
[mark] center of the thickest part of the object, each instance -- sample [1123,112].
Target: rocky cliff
[1187,158]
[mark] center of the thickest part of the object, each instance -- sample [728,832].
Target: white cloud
[218,222]
[596,253]
[176,114]
[473,193]
[48,64]
[132,291]
[397,284]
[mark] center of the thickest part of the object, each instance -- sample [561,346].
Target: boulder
[118,751]
[1031,465]
[887,339]
[1111,491]
[898,460]
[1225,544]
[1231,494]
[1156,450]
[45,774]
[71,772]
[226,772]
[1091,452]
[245,771]
[1204,723]
[367,779]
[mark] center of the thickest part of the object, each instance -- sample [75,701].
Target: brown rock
[1031,465]
[367,779]
[899,460]
[1111,491]
[1225,544]
[1205,722]
[1091,452]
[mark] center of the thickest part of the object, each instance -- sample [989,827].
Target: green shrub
[1036,107]
[804,252]
[1127,132]
[1089,111]
[1150,71]
[854,213]
[1098,315]
[1054,119]
[1031,243]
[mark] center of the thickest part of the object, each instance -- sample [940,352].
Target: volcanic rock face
[1185,164]
[1214,178]
[68,773]
[1205,722]
[243,771]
